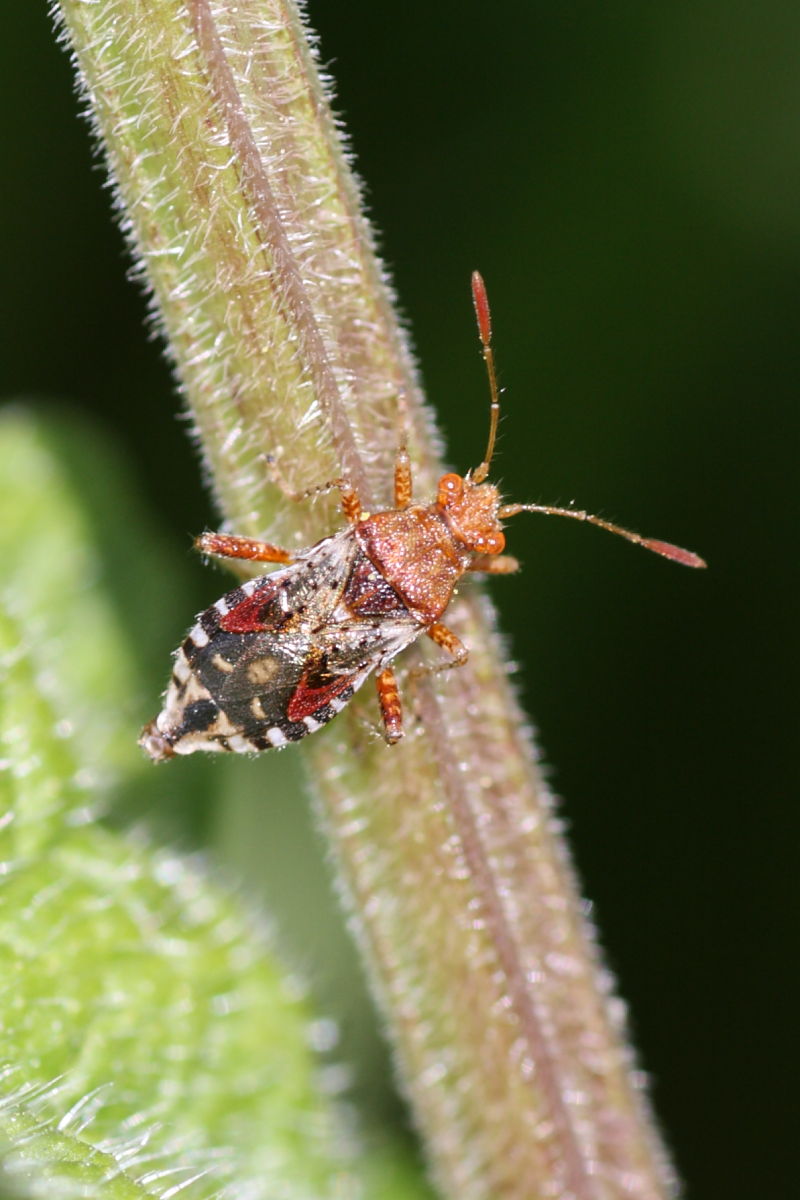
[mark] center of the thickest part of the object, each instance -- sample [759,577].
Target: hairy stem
[244,215]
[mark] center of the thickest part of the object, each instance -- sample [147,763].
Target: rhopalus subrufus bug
[277,657]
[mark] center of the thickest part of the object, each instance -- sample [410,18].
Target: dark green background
[627,177]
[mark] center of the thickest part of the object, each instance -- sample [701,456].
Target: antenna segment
[481,302]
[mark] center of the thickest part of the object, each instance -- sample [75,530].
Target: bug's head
[472,512]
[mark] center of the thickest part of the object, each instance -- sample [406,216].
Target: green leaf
[150,1043]
[55,582]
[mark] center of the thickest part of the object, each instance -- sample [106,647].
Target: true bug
[279,656]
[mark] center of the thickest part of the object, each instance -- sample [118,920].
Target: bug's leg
[403,483]
[494,564]
[351,503]
[391,707]
[445,638]
[448,641]
[227,545]
[402,478]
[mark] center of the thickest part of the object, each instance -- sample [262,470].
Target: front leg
[228,545]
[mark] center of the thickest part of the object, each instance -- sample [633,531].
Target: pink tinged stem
[245,217]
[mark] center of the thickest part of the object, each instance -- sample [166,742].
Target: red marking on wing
[306,699]
[249,616]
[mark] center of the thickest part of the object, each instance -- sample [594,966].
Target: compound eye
[490,543]
[451,488]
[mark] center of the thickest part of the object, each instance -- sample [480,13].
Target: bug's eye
[490,543]
[451,487]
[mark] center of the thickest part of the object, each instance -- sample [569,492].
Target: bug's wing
[350,643]
[279,687]
[249,692]
[321,638]
[245,656]
[252,691]
[278,657]
[254,670]
[270,689]
[300,596]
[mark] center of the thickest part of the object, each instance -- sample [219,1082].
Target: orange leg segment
[402,479]
[448,641]
[227,545]
[391,707]
[494,564]
[351,504]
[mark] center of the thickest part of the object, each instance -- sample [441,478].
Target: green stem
[245,217]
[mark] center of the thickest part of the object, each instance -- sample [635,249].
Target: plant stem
[243,213]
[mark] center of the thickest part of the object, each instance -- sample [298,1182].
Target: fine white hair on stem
[244,214]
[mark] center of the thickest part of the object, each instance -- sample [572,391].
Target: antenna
[665,549]
[481,302]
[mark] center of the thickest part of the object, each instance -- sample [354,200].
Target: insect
[277,657]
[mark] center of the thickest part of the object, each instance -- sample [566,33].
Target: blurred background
[627,178]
